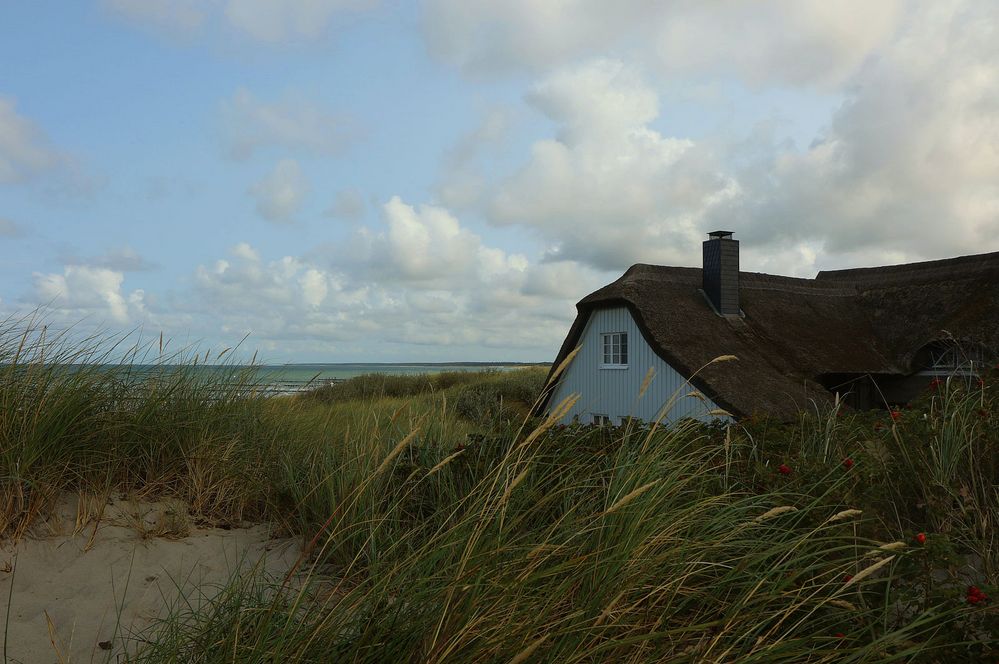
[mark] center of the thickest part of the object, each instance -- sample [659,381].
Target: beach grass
[440,522]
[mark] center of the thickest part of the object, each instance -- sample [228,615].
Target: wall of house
[614,392]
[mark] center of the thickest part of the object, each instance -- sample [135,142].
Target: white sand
[149,547]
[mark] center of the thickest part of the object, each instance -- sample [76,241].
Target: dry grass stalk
[891,546]
[53,640]
[524,654]
[867,571]
[560,411]
[563,365]
[646,381]
[610,607]
[631,496]
[513,485]
[448,459]
[396,451]
[845,514]
[776,511]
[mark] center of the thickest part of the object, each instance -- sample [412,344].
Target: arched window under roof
[947,357]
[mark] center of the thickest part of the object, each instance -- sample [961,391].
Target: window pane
[614,348]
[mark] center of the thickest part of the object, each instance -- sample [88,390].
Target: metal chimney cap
[721,235]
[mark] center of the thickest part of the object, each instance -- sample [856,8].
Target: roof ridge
[932,268]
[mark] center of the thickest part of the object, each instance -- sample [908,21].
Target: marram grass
[446,526]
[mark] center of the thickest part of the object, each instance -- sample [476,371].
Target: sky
[385,181]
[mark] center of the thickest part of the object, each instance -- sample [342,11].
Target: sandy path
[83,592]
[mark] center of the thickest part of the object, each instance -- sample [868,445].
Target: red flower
[848,463]
[935,383]
[982,412]
[840,635]
[895,415]
[976,596]
[921,538]
[784,469]
[847,578]
[981,382]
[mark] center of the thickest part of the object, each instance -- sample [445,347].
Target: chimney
[721,272]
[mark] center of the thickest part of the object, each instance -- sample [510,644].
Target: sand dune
[78,598]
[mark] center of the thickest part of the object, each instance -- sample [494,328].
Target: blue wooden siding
[614,392]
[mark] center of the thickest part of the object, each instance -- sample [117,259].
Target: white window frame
[952,360]
[619,355]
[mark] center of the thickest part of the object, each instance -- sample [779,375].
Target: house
[875,336]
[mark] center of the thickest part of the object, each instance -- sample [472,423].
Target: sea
[282,379]
[291,378]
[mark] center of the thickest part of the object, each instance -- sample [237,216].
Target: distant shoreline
[270,365]
[409,364]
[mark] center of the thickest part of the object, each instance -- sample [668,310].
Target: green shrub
[377,386]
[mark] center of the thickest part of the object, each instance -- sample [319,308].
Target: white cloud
[609,190]
[566,280]
[490,35]
[245,251]
[908,166]
[83,290]
[426,244]
[905,169]
[279,195]
[425,287]
[600,101]
[774,41]
[314,286]
[294,123]
[797,42]
[417,278]
[24,150]
[245,283]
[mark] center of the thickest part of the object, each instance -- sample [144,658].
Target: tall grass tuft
[98,415]
[435,532]
[590,544]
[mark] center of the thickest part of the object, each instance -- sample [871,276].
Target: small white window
[615,350]
[600,420]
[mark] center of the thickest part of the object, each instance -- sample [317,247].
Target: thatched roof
[861,321]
